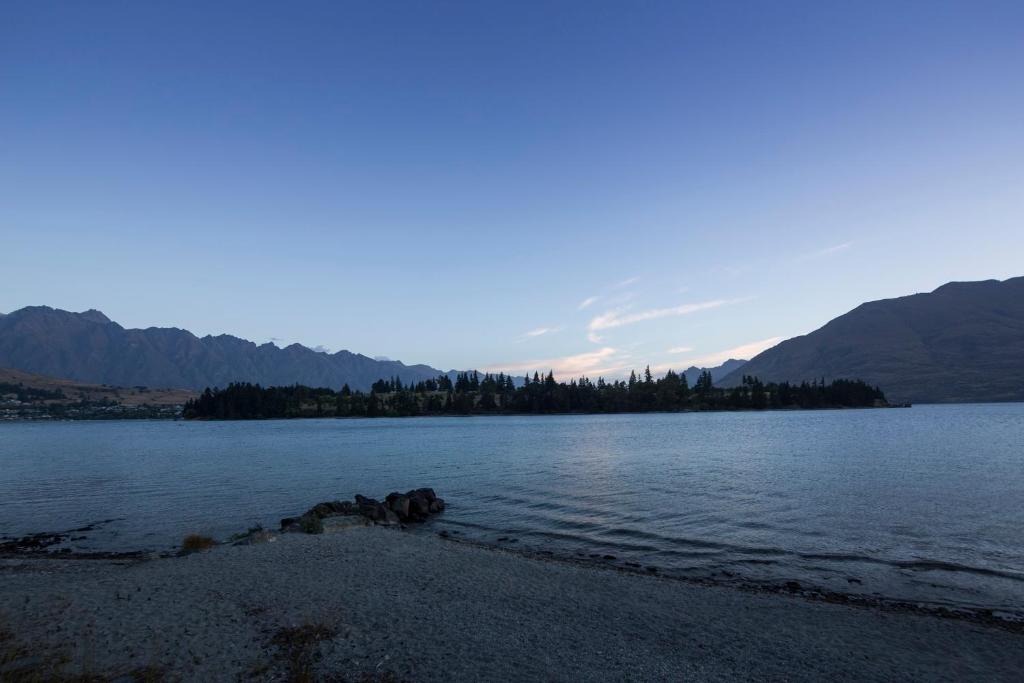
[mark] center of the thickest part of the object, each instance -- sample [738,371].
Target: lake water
[923,504]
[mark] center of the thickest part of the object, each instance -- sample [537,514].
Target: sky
[589,187]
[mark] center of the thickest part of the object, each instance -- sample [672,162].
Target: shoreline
[371,588]
[791,589]
[181,418]
[17,549]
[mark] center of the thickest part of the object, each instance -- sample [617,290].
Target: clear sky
[587,186]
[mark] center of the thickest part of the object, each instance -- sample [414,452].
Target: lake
[923,504]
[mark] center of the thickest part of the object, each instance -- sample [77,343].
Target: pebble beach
[376,603]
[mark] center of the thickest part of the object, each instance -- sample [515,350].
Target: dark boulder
[321,510]
[415,506]
[374,511]
[419,505]
[343,507]
[400,505]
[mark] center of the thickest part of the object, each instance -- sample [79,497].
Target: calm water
[924,504]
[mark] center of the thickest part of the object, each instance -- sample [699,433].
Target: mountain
[962,342]
[89,347]
[42,389]
[723,370]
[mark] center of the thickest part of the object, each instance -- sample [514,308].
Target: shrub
[194,543]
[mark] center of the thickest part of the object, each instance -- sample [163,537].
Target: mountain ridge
[961,342]
[89,347]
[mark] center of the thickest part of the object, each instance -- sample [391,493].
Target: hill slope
[962,342]
[47,390]
[89,347]
[721,371]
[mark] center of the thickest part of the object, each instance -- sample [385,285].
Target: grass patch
[297,647]
[24,664]
[193,543]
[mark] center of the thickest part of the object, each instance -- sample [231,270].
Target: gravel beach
[376,603]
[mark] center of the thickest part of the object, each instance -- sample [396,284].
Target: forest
[474,394]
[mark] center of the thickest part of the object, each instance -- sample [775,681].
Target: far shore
[377,603]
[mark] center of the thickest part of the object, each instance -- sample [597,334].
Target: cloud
[592,363]
[321,349]
[680,349]
[626,283]
[618,317]
[540,331]
[587,303]
[827,251]
[743,351]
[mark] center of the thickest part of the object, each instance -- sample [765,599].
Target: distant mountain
[89,347]
[963,342]
[11,381]
[720,372]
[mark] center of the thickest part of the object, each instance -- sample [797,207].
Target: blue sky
[586,186]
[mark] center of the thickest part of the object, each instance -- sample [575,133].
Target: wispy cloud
[587,303]
[619,317]
[626,283]
[321,349]
[743,351]
[827,251]
[538,332]
[592,363]
[680,349]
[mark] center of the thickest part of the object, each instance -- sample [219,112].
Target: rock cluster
[398,508]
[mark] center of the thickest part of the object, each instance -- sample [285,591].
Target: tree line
[474,394]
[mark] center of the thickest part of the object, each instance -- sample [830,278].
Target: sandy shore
[382,604]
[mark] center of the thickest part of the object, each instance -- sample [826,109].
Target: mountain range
[963,342]
[89,347]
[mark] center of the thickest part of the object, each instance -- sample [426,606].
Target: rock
[428,494]
[414,506]
[343,507]
[374,511]
[322,510]
[419,506]
[400,505]
[370,508]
